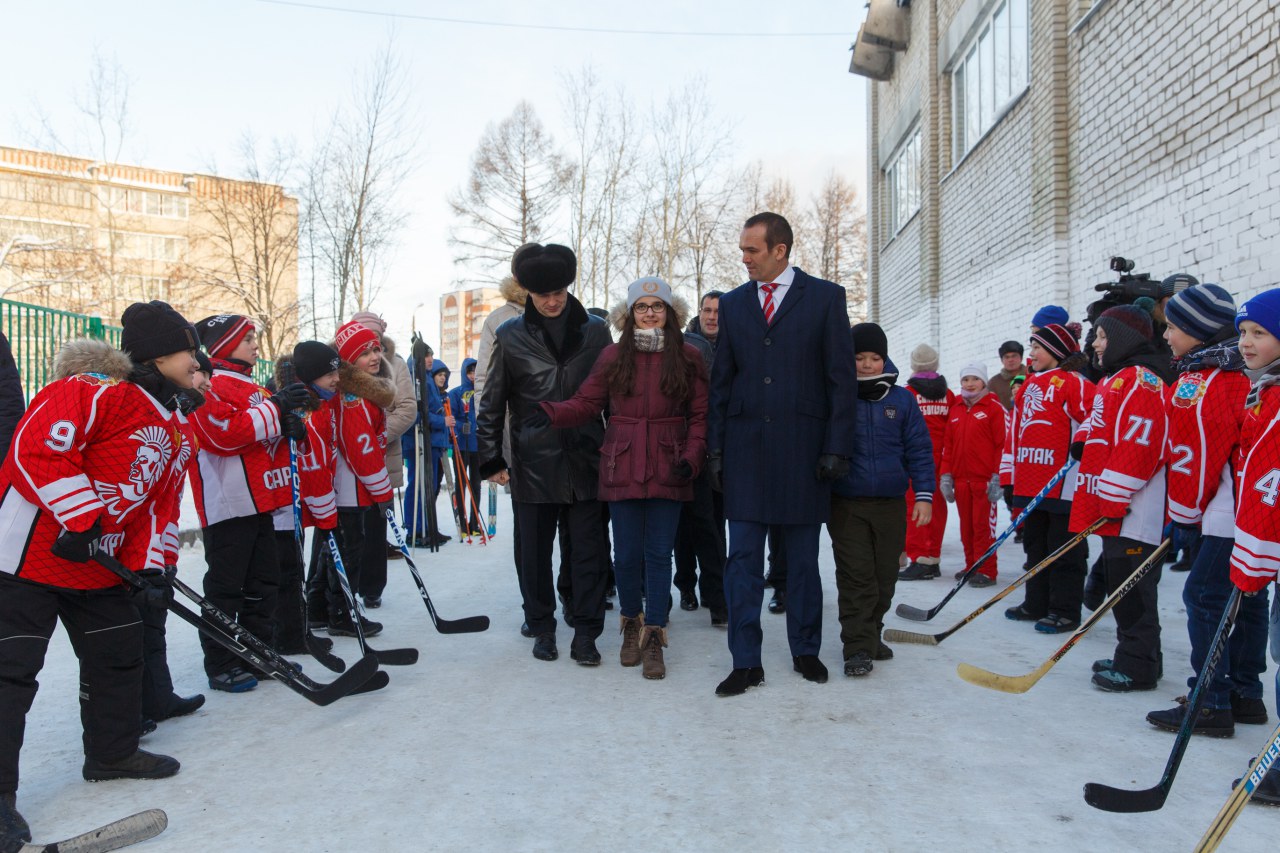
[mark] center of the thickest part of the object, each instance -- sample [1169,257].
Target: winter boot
[1266,792]
[583,650]
[979,581]
[1251,712]
[1213,722]
[630,628]
[1115,681]
[235,680]
[652,640]
[140,765]
[858,664]
[181,706]
[919,572]
[544,647]
[13,828]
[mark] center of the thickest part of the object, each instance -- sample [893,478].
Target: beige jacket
[402,412]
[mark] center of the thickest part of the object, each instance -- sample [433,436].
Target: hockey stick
[1230,810]
[314,646]
[387,657]
[110,836]
[1023,683]
[469,625]
[446,462]
[915,614]
[241,642]
[894,635]
[1150,799]
[465,489]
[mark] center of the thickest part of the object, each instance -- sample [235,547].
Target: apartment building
[462,314]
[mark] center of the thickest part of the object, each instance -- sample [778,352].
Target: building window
[903,174]
[992,74]
[123,200]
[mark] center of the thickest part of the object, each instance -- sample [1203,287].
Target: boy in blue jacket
[440,424]
[868,525]
[462,403]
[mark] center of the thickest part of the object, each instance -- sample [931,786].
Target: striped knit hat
[1202,311]
[1056,340]
[353,338]
[222,333]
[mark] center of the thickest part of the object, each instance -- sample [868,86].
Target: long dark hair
[678,370]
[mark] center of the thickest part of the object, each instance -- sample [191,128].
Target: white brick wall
[1168,128]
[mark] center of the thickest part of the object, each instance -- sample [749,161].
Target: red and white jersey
[317,461]
[974,439]
[89,448]
[1255,559]
[1048,409]
[1206,412]
[936,414]
[1122,471]
[360,472]
[243,465]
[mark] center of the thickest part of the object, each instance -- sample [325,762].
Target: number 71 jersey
[1121,474]
[1255,559]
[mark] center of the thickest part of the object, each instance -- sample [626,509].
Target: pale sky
[203,73]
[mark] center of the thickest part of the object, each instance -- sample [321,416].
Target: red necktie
[768,301]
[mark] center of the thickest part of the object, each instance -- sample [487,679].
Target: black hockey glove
[78,547]
[290,397]
[1077,450]
[684,470]
[293,427]
[832,468]
[158,592]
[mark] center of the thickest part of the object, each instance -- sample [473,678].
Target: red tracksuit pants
[977,523]
[926,541]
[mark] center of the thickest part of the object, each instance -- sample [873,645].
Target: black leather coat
[549,465]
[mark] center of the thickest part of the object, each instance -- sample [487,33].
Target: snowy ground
[481,747]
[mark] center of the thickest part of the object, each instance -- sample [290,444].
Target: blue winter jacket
[435,407]
[893,448]
[462,403]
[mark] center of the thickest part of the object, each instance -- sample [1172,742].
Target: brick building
[462,314]
[1015,145]
[90,238]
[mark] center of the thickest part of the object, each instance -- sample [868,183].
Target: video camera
[1126,290]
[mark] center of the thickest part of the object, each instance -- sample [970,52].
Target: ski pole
[466,480]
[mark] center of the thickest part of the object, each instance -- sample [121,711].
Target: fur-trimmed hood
[512,291]
[381,392]
[618,314]
[88,355]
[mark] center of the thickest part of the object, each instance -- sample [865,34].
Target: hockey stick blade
[1126,801]
[387,657]
[111,836]
[323,656]
[1230,810]
[893,635]
[467,625]
[394,657]
[1023,683]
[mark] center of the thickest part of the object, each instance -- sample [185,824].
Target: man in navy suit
[781,431]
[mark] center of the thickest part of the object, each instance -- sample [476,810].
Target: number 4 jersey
[1121,474]
[1255,559]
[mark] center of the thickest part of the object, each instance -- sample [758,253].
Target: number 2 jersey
[1255,559]
[1121,474]
[1206,413]
[92,447]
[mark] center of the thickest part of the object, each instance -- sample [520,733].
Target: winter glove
[832,468]
[537,419]
[290,397]
[78,547]
[993,489]
[947,485]
[293,427]
[683,470]
[1008,494]
[1077,450]
[715,468]
[157,592]
[385,506]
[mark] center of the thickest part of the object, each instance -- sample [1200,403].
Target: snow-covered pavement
[481,747]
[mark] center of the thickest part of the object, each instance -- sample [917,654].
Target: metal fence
[36,332]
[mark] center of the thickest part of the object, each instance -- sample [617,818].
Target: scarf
[874,388]
[1224,356]
[1262,378]
[233,364]
[648,340]
[320,392]
[150,379]
[971,397]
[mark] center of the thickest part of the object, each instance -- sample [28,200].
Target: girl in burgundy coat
[654,387]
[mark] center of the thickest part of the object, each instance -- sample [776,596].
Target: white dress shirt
[783,281]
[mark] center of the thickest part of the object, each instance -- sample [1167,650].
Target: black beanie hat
[153,329]
[1010,346]
[206,366]
[869,337]
[313,359]
[222,333]
[545,269]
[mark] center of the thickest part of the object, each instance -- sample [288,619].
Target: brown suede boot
[652,641]
[629,628]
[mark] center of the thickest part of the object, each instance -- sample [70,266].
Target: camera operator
[1131,287]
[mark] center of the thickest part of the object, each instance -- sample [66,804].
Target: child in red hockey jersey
[924,542]
[1047,411]
[240,479]
[1255,559]
[971,467]
[89,460]
[1206,412]
[1121,478]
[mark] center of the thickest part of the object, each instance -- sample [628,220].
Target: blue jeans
[1207,589]
[644,535]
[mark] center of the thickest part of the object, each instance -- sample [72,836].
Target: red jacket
[1048,409]
[974,439]
[936,414]
[648,433]
[1122,471]
[1206,412]
[243,466]
[1255,559]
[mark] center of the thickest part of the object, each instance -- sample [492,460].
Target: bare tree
[352,184]
[838,240]
[517,183]
[245,237]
